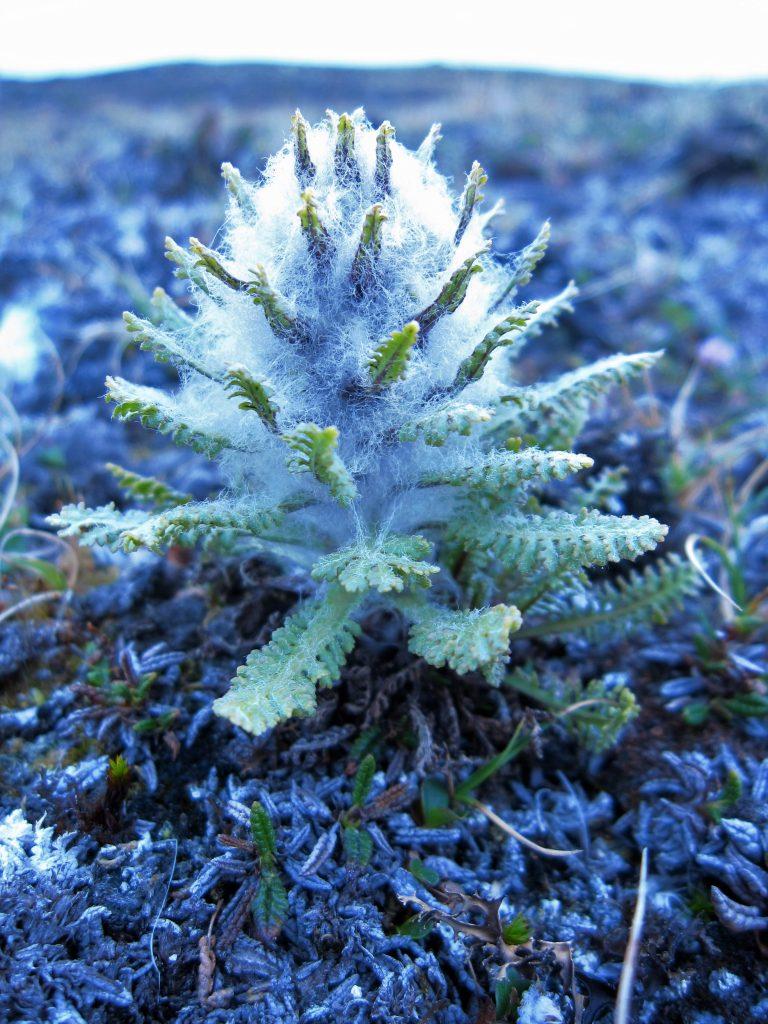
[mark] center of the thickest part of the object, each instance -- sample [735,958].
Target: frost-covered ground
[135,905]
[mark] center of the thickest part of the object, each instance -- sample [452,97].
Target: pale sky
[668,40]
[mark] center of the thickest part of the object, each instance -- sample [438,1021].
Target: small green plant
[129,695]
[130,690]
[270,905]
[727,799]
[358,843]
[479,919]
[352,367]
[103,813]
[730,683]
[594,714]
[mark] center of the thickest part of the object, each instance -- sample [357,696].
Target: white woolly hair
[322,380]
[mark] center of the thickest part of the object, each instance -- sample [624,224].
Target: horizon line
[59,75]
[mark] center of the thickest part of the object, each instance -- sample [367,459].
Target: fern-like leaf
[281,322]
[503,335]
[305,168]
[389,362]
[183,525]
[368,249]
[203,520]
[548,312]
[389,565]
[436,427]
[315,453]
[344,158]
[524,264]
[147,488]
[254,392]
[280,679]
[164,347]
[156,410]
[426,150]
[556,541]
[561,406]
[208,261]
[499,470]
[597,712]
[165,313]
[187,267]
[318,239]
[451,295]
[381,178]
[614,607]
[239,189]
[464,640]
[602,491]
[102,526]
[471,198]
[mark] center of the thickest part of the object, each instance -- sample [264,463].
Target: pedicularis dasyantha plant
[351,365]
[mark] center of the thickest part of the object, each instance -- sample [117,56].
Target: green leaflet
[200,520]
[163,346]
[147,488]
[451,295]
[561,406]
[389,362]
[280,679]
[255,393]
[464,640]
[305,169]
[239,189]
[165,313]
[602,491]
[156,410]
[318,239]
[344,159]
[389,565]
[525,264]
[184,524]
[436,427]
[102,526]
[596,713]
[358,844]
[381,179]
[315,453]
[557,541]
[208,261]
[270,904]
[499,470]
[368,249]
[471,199]
[281,323]
[363,780]
[609,608]
[263,835]
[186,264]
[503,335]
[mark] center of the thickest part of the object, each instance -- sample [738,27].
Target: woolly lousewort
[351,366]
